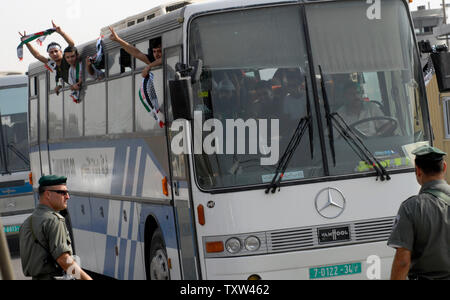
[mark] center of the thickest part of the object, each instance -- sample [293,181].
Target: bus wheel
[159,265]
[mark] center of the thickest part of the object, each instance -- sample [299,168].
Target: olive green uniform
[423,227]
[48,227]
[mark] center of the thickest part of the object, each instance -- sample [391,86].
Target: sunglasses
[61,192]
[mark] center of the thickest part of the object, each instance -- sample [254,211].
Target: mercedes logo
[330,203]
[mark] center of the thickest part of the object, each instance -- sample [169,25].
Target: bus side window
[95,109]
[144,48]
[113,63]
[119,61]
[155,43]
[120,105]
[33,89]
[125,61]
[52,81]
[55,116]
[33,115]
[42,108]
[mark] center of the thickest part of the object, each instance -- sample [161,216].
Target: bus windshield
[14,134]
[258,72]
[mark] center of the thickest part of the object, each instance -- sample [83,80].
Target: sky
[80,19]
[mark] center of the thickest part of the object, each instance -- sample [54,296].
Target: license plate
[334,271]
[11,229]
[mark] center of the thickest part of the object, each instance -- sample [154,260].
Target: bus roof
[12,80]
[150,28]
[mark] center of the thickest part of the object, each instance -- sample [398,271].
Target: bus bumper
[374,259]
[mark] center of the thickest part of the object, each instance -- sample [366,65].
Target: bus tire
[159,263]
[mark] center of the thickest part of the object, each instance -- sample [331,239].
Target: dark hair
[41,190]
[53,44]
[156,43]
[71,49]
[430,167]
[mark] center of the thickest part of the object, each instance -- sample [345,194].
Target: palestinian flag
[39,36]
[147,95]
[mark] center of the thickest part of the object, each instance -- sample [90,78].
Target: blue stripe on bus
[164,216]
[110,256]
[131,220]
[132,260]
[16,190]
[131,167]
[100,212]
[140,182]
[122,258]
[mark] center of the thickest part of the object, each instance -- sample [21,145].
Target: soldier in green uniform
[45,245]
[421,233]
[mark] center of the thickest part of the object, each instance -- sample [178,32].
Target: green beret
[428,153]
[49,180]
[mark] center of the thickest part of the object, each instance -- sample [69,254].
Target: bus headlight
[252,243]
[233,245]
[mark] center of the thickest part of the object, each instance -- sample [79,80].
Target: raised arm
[130,49]
[33,51]
[64,35]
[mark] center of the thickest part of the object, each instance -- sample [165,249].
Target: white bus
[16,192]
[139,209]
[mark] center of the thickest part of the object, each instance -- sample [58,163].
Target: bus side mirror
[425,46]
[441,62]
[181,97]
[181,94]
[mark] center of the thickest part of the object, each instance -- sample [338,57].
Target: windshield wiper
[328,116]
[19,154]
[352,139]
[293,144]
[349,136]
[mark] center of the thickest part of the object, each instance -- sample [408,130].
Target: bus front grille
[298,239]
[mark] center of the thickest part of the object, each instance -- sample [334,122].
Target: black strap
[49,258]
[438,194]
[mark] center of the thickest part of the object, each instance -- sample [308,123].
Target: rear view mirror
[181,97]
[181,89]
[425,46]
[441,62]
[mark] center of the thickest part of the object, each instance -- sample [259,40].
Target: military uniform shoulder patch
[58,215]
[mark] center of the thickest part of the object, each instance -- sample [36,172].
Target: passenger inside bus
[156,59]
[95,65]
[56,60]
[75,72]
[355,110]
[265,100]
[152,60]
[224,104]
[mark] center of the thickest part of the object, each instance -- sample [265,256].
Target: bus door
[181,181]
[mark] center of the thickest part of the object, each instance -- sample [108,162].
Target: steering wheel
[386,129]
